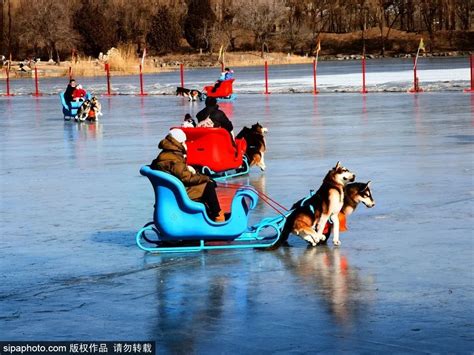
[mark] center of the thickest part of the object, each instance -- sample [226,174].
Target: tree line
[52,29]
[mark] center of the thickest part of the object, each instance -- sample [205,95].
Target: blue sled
[71,112]
[182,225]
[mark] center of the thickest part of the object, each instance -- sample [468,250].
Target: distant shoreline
[168,63]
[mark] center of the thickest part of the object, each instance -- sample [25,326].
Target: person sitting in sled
[199,187]
[227,74]
[212,116]
[79,93]
[68,94]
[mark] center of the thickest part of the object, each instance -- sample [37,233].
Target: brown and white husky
[256,144]
[354,193]
[309,217]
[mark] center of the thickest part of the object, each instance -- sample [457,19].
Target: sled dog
[83,111]
[96,107]
[191,94]
[310,216]
[256,144]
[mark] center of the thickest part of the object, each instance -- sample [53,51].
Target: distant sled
[71,112]
[211,151]
[223,93]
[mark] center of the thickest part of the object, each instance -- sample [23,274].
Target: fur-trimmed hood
[172,159]
[171,144]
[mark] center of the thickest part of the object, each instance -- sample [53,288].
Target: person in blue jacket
[227,74]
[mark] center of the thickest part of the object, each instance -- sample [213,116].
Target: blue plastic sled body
[229,98]
[179,220]
[71,112]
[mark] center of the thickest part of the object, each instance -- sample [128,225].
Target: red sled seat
[213,148]
[224,90]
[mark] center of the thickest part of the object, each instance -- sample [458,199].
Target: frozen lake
[72,200]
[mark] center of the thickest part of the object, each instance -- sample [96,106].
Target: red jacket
[78,93]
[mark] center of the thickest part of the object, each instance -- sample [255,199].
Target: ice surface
[72,200]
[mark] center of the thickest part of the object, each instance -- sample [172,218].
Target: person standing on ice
[199,187]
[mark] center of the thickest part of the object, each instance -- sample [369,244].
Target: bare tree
[133,20]
[44,31]
[463,10]
[386,13]
[317,18]
[227,24]
[263,18]
[199,24]
[294,15]
[2,29]
[430,15]
[165,31]
[53,27]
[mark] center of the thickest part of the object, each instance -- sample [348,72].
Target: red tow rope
[265,198]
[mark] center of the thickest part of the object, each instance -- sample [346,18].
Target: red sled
[212,152]
[224,91]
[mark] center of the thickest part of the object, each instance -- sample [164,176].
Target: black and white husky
[191,94]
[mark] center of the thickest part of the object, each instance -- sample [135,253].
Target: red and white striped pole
[181,69]
[37,93]
[471,61]
[364,90]
[266,78]
[107,70]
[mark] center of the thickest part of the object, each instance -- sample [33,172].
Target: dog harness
[342,221]
[341,216]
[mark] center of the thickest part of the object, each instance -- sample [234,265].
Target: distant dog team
[90,110]
[191,94]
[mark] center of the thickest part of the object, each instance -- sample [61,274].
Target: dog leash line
[260,194]
[265,198]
